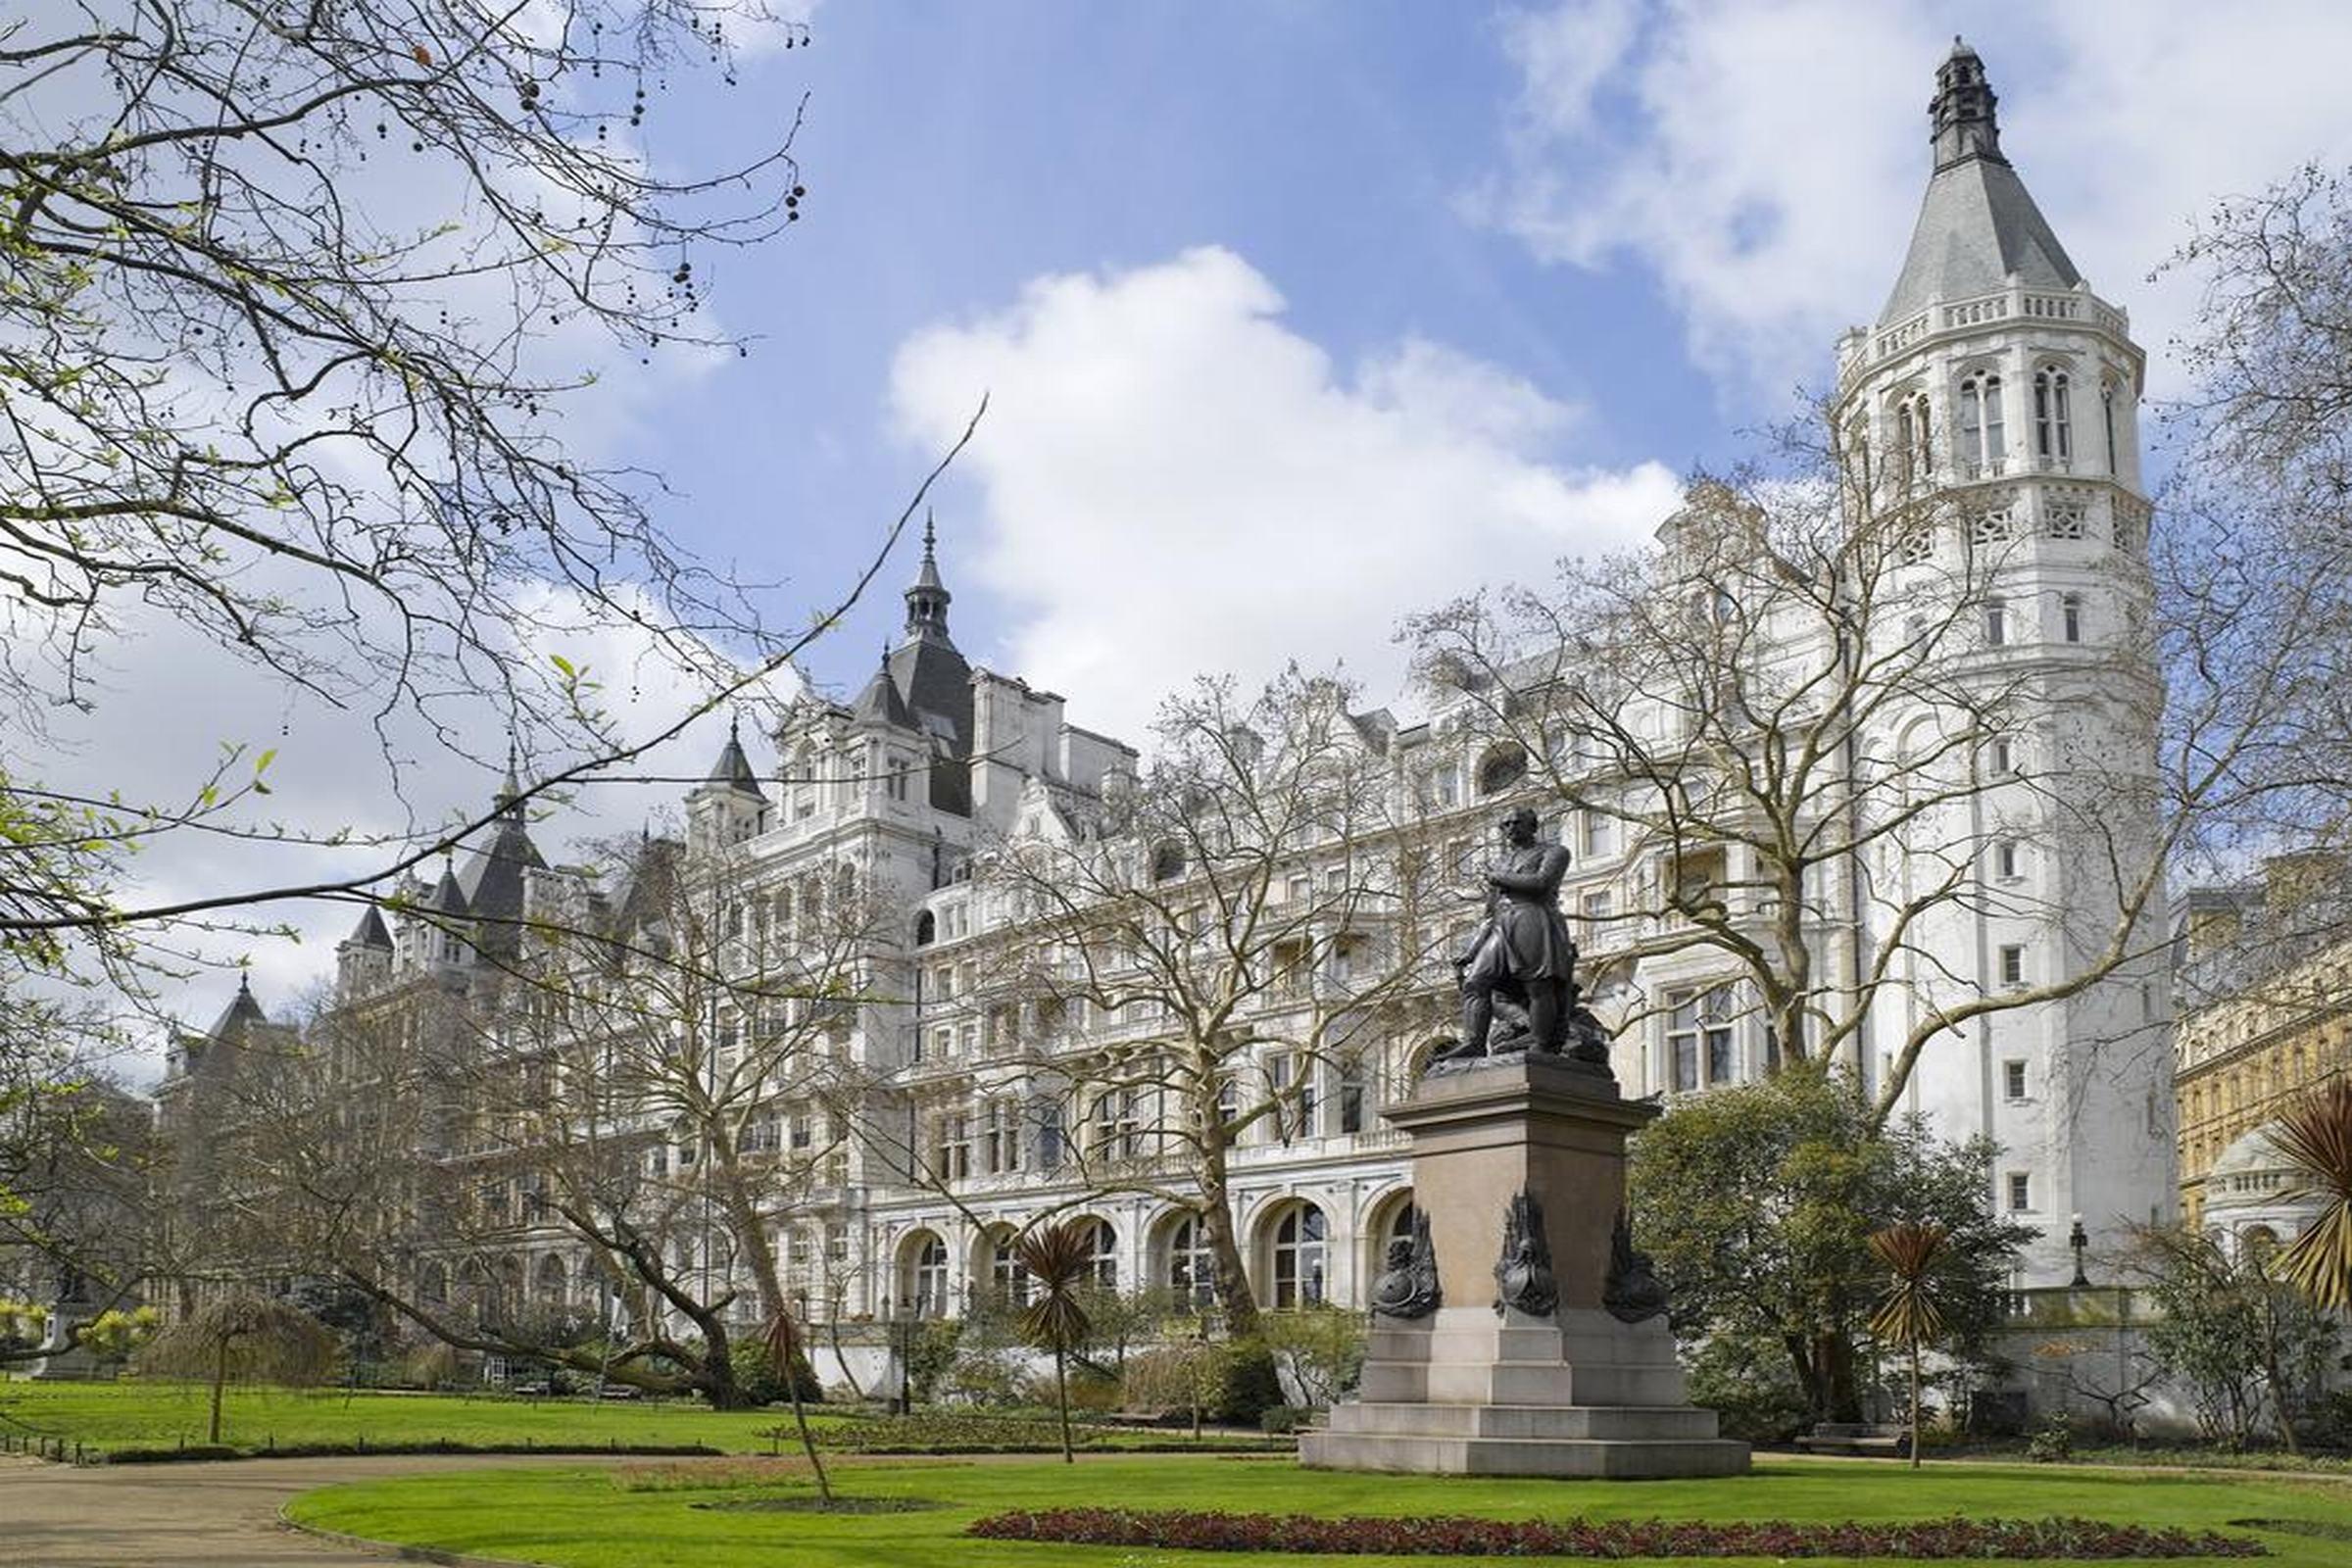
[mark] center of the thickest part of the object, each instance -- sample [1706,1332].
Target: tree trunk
[788,1347]
[1062,1397]
[1234,1296]
[1914,1405]
[219,1380]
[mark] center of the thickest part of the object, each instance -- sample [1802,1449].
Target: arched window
[1101,1252]
[433,1285]
[2114,461]
[1915,448]
[926,929]
[1983,440]
[927,1276]
[1502,767]
[2070,617]
[2053,417]
[1005,1275]
[1192,1267]
[1298,1238]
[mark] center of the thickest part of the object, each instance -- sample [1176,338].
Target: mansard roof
[1978,227]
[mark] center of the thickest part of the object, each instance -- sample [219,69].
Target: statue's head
[1519,826]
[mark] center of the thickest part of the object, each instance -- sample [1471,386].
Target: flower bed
[1458,1537]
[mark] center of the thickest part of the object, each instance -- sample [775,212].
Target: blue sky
[1297,316]
[1651,217]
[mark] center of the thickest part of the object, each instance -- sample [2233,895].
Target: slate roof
[241,1015]
[1977,223]
[371,932]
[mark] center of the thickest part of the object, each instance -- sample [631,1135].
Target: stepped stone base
[1467,1391]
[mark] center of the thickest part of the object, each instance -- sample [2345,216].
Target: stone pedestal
[1472,1388]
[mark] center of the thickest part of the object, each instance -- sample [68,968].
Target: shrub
[1281,1420]
[1322,1348]
[2053,1441]
[1168,1380]
[756,1374]
[1251,1384]
[1750,1387]
[1457,1536]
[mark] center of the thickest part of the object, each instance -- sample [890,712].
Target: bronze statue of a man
[1522,958]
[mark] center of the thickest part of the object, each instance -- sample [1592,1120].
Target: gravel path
[193,1515]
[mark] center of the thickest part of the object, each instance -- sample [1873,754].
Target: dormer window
[2053,418]
[1982,439]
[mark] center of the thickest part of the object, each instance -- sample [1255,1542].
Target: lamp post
[901,1340]
[2079,1239]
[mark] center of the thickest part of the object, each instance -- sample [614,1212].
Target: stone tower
[1994,407]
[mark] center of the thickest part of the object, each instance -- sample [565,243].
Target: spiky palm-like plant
[2316,1137]
[1060,1259]
[1909,1309]
[782,1339]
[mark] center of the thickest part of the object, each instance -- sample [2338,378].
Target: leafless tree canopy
[294,300]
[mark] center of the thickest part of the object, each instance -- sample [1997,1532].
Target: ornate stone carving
[1408,1287]
[1523,1278]
[1632,1291]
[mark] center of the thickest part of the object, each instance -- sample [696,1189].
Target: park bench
[1857,1438]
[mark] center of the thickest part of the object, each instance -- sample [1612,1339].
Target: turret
[729,807]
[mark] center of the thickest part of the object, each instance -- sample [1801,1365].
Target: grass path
[642,1514]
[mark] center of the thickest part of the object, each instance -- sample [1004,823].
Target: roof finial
[930,537]
[735,727]
[244,983]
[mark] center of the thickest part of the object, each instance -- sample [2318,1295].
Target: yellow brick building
[2264,997]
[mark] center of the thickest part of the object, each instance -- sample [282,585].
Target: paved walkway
[193,1515]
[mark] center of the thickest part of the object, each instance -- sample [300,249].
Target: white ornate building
[1993,369]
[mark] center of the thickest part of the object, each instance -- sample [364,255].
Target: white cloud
[1764,158]
[1174,481]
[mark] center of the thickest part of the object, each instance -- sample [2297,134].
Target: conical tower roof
[1977,225]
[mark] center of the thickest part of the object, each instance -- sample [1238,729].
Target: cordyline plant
[2316,1137]
[1909,1311]
[1060,1259]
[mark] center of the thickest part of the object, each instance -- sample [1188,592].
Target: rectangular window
[2013,1080]
[2003,757]
[2069,615]
[2007,862]
[1597,906]
[1996,623]
[1682,1040]
[1600,834]
[1049,1138]
[2021,1193]
[2013,966]
[1350,1096]
[900,768]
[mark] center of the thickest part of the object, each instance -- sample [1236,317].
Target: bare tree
[1806,720]
[1245,927]
[636,1102]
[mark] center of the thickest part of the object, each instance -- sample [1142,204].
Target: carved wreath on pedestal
[1632,1291]
[1408,1287]
[1523,1278]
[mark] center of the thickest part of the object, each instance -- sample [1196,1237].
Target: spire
[1961,113]
[241,1013]
[1978,227]
[733,770]
[510,794]
[927,601]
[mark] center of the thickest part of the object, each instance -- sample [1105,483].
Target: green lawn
[141,1414]
[600,1520]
